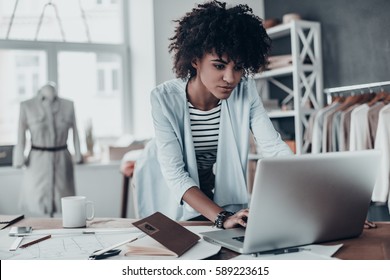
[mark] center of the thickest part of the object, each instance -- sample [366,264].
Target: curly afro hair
[211,27]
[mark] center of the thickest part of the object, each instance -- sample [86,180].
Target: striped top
[205,128]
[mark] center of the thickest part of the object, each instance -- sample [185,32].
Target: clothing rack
[330,91]
[354,87]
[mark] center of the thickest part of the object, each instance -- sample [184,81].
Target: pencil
[35,241]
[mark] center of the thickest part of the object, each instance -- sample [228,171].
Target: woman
[196,165]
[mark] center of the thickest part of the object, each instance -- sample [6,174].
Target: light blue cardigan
[168,168]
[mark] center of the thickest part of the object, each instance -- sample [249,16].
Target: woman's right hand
[237,220]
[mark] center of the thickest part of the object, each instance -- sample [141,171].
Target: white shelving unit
[306,92]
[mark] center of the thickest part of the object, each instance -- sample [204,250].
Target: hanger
[386,99]
[371,97]
[59,21]
[349,101]
[338,98]
[366,97]
[380,96]
[54,6]
[352,98]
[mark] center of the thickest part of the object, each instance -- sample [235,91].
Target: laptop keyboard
[239,238]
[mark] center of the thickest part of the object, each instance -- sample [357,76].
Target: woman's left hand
[238,219]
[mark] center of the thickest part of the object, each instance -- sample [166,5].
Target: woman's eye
[219,66]
[238,68]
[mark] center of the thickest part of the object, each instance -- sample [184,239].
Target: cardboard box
[116,153]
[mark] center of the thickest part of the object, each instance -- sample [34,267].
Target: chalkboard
[355,36]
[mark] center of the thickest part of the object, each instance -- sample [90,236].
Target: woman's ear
[195,63]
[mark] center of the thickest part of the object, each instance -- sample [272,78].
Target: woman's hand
[238,219]
[127,168]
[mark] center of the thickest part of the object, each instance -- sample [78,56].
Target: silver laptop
[305,199]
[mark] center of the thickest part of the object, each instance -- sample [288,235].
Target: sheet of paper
[324,250]
[64,244]
[63,247]
[6,255]
[79,247]
[310,252]
[78,231]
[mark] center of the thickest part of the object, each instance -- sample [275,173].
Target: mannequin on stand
[48,173]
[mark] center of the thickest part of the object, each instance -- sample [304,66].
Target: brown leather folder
[168,233]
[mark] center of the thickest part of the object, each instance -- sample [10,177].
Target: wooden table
[373,244]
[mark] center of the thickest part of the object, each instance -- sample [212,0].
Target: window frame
[53,48]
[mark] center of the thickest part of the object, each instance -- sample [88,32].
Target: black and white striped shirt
[205,128]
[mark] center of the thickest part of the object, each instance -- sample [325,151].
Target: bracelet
[221,218]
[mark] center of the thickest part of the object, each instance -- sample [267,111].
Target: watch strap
[221,218]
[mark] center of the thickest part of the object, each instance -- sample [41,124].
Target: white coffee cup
[74,211]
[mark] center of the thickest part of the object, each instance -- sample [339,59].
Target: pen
[282,251]
[102,251]
[288,250]
[35,241]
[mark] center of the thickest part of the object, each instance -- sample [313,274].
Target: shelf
[288,113]
[281,114]
[281,30]
[304,78]
[284,71]
[280,72]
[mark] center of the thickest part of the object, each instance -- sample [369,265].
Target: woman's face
[219,75]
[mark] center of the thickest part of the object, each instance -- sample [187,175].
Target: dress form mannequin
[48,174]
[49,91]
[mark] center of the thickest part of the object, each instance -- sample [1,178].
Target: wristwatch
[221,218]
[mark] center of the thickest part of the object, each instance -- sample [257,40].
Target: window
[35,82]
[79,46]
[28,71]
[115,80]
[90,92]
[20,72]
[100,80]
[108,75]
[65,21]
[21,85]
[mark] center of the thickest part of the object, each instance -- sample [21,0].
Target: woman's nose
[228,76]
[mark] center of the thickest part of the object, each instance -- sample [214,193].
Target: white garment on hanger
[343,143]
[359,128]
[382,143]
[317,128]
[335,143]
